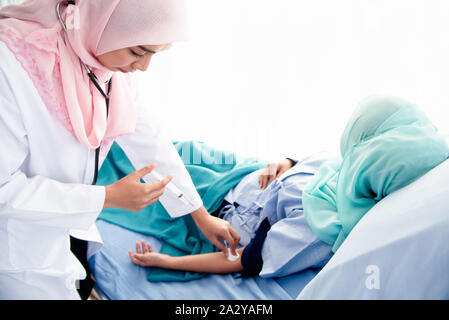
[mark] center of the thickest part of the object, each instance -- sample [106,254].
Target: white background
[280,78]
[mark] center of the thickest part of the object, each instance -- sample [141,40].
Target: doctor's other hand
[129,193]
[274,171]
[214,229]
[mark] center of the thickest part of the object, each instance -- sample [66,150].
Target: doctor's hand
[129,193]
[274,171]
[214,229]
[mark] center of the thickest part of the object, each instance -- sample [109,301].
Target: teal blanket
[387,144]
[213,173]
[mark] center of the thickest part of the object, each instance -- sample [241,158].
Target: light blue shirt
[290,245]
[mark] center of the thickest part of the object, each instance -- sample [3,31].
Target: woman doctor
[64,98]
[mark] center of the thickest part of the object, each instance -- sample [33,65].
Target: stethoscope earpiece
[58,12]
[94,80]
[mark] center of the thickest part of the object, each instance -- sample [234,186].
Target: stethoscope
[94,80]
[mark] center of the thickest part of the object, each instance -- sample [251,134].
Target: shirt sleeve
[291,246]
[38,199]
[147,145]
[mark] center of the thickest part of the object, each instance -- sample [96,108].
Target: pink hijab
[52,56]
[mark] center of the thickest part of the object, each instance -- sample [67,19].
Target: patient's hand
[273,171]
[146,257]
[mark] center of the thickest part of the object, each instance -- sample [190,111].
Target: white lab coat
[46,192]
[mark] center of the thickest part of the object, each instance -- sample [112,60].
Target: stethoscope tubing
[94,80]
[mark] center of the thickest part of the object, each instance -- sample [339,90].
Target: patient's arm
[215,262]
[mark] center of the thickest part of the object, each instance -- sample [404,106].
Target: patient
[294,215]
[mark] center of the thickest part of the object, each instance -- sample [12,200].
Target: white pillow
[399,250]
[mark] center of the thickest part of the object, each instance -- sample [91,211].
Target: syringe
[172,188]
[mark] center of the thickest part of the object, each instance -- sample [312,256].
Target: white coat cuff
[177,208]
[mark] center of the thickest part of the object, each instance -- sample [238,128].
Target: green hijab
[387,144]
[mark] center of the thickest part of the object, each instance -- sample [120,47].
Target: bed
[117,278]
[399,250]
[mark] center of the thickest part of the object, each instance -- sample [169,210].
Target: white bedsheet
[399,250]
[119,279]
